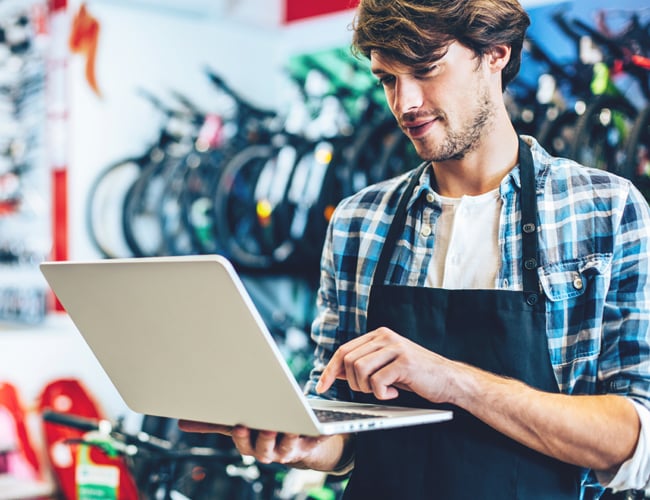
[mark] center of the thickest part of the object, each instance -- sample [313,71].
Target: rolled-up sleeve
[635,472]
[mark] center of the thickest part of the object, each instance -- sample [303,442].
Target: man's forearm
[597,432]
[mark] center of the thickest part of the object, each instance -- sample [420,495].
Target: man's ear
[498,57]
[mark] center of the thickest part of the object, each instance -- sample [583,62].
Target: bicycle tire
[358,156]
[601,133]
[199,184]
[313,194]
[176,234]
[373,156]
[104,206]
[246,242]
[557,134]
[140,216]
[637,154]
[398,156]
[236,183]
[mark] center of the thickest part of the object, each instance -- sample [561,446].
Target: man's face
[443,110]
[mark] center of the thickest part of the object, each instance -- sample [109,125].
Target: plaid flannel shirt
[594,258]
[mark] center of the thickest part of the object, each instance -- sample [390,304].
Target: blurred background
[132,128]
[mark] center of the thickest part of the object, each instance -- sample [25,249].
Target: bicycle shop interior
[144,128]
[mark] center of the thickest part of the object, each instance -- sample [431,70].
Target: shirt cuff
[633,474]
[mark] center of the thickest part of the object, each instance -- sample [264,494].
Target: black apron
[501,331]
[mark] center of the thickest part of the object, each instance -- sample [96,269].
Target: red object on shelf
[24,459]
[295,10]
[71,396]
[57,4]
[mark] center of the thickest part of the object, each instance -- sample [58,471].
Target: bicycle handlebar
[559,17]
[74,421]
[142,440]
[612,45]
[156,102]
[537,52]
[221,83]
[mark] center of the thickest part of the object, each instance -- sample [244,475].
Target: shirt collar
[511,182]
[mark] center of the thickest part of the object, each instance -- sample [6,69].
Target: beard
[460,141]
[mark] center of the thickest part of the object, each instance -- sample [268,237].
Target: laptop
[180,337]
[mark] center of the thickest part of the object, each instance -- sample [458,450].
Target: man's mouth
[419,128]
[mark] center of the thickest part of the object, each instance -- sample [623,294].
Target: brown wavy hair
[418,32]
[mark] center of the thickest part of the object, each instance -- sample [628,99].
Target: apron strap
[396,227]
[528,225]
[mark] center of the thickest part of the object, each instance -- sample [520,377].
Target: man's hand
[319,453]
[597,432]
[381,362]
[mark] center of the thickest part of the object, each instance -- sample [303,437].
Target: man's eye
[385,80]
[428,71]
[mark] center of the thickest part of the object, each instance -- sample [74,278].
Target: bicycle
[159,469]
[187,467]
[112,187]
[637,153]
[266,191]
[185,209]
[604,128]
[141,206]
[273,202]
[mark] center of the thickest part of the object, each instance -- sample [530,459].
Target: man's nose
[408,96]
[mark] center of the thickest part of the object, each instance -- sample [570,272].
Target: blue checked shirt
[594,243]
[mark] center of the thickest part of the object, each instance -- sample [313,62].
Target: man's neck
[483,168]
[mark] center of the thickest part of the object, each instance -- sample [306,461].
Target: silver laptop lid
[179,337]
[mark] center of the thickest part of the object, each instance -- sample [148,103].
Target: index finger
[334,369]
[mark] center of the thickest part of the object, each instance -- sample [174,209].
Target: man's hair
[418,32]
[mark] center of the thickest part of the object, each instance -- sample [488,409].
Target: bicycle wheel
[602,132]
[313,194]
[104,206]
[199,184]
[637,154]
[398,156]
[557,133]
[140,218]
[253,231]
[381,152]
[360,156]
[176,233]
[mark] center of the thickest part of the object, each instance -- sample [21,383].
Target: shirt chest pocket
[572,279]
[576,292]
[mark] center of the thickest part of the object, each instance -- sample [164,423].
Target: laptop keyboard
[339,416]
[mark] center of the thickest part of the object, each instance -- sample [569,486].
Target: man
[494,279]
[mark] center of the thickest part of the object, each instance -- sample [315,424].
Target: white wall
[165,49]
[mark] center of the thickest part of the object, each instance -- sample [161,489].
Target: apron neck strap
[396,227]
[528,225]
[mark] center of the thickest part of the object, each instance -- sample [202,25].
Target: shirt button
[426,230]
[577,283]
[430,197]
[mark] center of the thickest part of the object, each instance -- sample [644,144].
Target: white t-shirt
[466,228]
